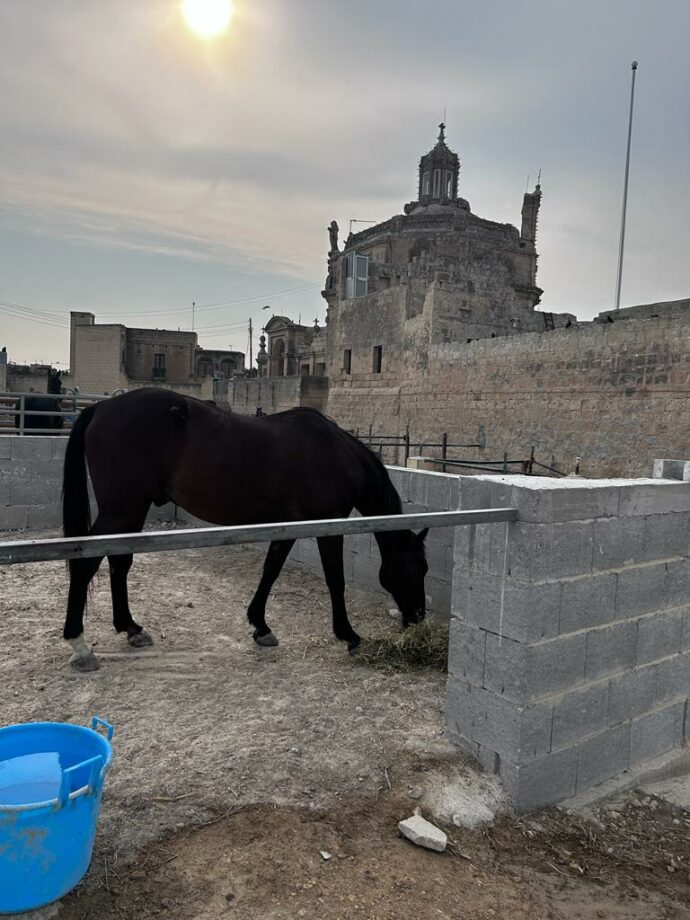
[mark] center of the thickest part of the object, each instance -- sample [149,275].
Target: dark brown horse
[154,446]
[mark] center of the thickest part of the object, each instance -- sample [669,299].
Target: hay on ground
[424,645]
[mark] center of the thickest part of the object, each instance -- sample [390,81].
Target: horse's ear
[421,536]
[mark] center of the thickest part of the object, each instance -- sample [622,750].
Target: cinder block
[589,600]
[59,447]
[658,636]
[31,492]
[654,497]
[667,535]
[14,517]
[439,590]
[685,635]
[530,611]
[603,756]
[536,552]
[673,678]
[438,492]
[466,653]
[656,733]
[416,487]
[678,583]
[516,732]
[525,672]
[579,714]
[542,500]
[21,470]
[668,469]
[632,694]
[611,649]
[641,589]
[542,782]
[44,517]
[32,447]
[618,542]
[5,447]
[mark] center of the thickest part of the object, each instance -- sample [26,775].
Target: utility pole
[619,278]
[251,359]
[193,305]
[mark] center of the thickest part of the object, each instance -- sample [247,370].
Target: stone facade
[108,357]
[433,275]
[616,394]
[292,350]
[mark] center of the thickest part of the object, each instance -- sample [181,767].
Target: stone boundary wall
[615,394]
[569,658]
[31,483]
[420,491]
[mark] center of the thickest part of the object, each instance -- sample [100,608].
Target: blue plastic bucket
[51,780]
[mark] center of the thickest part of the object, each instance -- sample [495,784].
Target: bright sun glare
[207,18]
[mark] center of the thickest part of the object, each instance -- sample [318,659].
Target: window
[449,183]
[320,370]
[347,360]
[304,370]
[378,355]
[437,183]
[159,365]
[426,182]
[356,274]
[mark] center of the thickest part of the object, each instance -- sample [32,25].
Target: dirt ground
[236,767]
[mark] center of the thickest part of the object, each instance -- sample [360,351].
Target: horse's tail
[76,509]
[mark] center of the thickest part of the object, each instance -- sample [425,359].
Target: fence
[16,418]
[403,442]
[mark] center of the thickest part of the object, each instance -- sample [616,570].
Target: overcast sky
[142,169]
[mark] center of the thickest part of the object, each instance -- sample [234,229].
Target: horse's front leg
[331,552]
[278,552]
[122,617]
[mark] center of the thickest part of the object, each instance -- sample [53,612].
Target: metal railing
[379,442]
[13,407]
[60,549]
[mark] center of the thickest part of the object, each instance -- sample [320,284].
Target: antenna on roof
[539,177]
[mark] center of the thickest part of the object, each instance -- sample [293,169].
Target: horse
[153,446]
[49,403]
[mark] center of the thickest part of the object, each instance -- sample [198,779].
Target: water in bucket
[30,779]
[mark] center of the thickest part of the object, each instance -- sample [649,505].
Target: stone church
[435,274]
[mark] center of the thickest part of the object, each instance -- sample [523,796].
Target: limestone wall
[615,394]
[244,395]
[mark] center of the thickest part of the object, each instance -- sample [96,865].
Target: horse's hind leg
[331,552]
[81,571]
[122,617]
[278,552]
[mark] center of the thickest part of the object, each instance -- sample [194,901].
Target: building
[293,349]
[435,274]
[108,357]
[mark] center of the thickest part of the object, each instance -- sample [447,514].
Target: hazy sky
[142,168]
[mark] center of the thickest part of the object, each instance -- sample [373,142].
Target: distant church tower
[438,173]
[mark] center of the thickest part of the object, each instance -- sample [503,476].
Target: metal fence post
[21,415]
[505,461]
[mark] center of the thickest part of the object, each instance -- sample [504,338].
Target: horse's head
[402,573]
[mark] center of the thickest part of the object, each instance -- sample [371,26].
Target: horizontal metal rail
[12,552]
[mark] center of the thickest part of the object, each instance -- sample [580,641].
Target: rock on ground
[423,833]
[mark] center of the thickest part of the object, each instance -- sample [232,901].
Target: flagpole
[621,246]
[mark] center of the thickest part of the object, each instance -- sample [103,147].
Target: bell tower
[438,173]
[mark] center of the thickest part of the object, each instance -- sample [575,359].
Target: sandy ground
[236,766]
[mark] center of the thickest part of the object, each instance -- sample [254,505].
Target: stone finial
[262,344]
[442,133]
[333,235]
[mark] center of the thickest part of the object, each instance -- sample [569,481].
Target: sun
[207,18]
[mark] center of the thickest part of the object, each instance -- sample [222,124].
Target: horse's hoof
[140,639]
[267,641]
[353,647]
[84,663]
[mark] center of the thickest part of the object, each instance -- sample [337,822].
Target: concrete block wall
[420,491]
[570,631]
[31,484]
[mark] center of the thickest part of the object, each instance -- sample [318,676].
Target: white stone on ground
[471,813]
[423,833]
